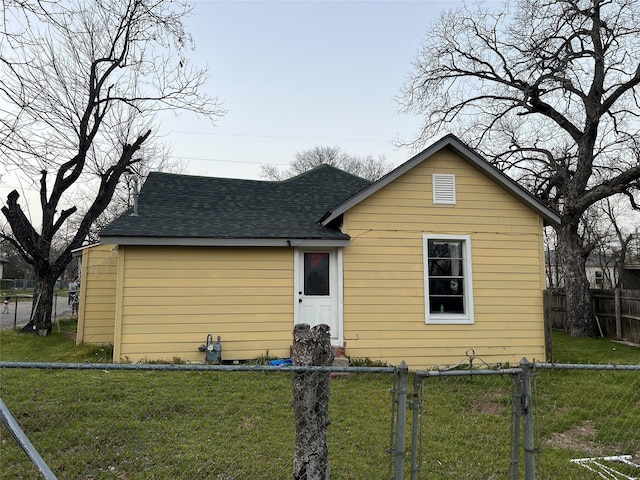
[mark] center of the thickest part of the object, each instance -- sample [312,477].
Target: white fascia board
[78,251]
[224,242]
[84,247]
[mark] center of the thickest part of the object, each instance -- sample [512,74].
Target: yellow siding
[172,297]
[157,303]
[384,307]
[97,295]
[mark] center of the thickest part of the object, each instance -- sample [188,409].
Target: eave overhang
[225,242]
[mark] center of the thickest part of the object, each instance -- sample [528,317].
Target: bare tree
[366,166]
[547,89]
[551,259]
[80,86]
[156,159]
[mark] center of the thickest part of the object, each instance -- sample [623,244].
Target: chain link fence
[463,421]
[588,415]
[107,421]
[110,421]
[569,422]
[20,309]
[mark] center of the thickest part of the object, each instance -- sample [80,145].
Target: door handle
[299,300]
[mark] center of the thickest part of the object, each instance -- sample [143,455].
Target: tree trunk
[41,306]
[311,346]
[580,319]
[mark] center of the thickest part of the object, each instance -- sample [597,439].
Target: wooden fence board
[604,307]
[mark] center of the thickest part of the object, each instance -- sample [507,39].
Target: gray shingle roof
[184,206]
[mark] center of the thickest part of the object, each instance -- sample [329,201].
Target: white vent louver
[444,188]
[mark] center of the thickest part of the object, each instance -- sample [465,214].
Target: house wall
[171,298]
[97,295]
[631,278]
[608,278]
[384,305]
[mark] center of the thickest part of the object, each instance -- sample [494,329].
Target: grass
[98,424]
[58,347]
[593,350]
[589,413]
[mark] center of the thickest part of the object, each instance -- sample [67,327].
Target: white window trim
[449,318]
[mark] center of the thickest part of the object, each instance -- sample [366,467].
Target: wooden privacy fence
[617,312]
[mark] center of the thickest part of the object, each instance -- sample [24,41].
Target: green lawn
[593,350]
[58,347]
[99,424]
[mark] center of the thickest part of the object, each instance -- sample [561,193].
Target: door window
[316,273]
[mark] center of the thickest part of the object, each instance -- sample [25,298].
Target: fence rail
[617,312]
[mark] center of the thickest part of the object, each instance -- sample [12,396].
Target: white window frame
[598,276]
[438,318]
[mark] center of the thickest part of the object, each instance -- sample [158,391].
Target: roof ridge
[312,170]
[183,175]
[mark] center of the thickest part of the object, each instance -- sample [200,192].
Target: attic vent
[444,188]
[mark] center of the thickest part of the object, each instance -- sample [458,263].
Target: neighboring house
[3,260]
[630,275]
[600,270]
[442,255]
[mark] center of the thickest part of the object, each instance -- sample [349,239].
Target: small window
[599,279]
[316,273]
[444,189]
[448,285]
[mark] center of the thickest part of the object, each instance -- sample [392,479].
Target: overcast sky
[296,74]
[293,75]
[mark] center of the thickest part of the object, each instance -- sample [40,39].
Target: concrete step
[340,362]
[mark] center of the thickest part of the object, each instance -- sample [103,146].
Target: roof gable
[466,153]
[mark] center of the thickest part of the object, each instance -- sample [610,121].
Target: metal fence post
[516,415]
[401,422]
[618,311]
[416,438]
[527,412]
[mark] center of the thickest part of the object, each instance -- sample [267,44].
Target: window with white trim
[448,285]
[599,278]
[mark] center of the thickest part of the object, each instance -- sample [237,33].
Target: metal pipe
[416,431]
[527,413]
[580,366]
[516,415]
[194,367]
[467,373]
[401,423]
[16,432]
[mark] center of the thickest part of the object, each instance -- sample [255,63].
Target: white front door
[318,294]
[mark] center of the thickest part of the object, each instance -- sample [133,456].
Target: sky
[296,74]
[292,75]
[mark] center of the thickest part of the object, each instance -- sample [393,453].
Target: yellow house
[442,256]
